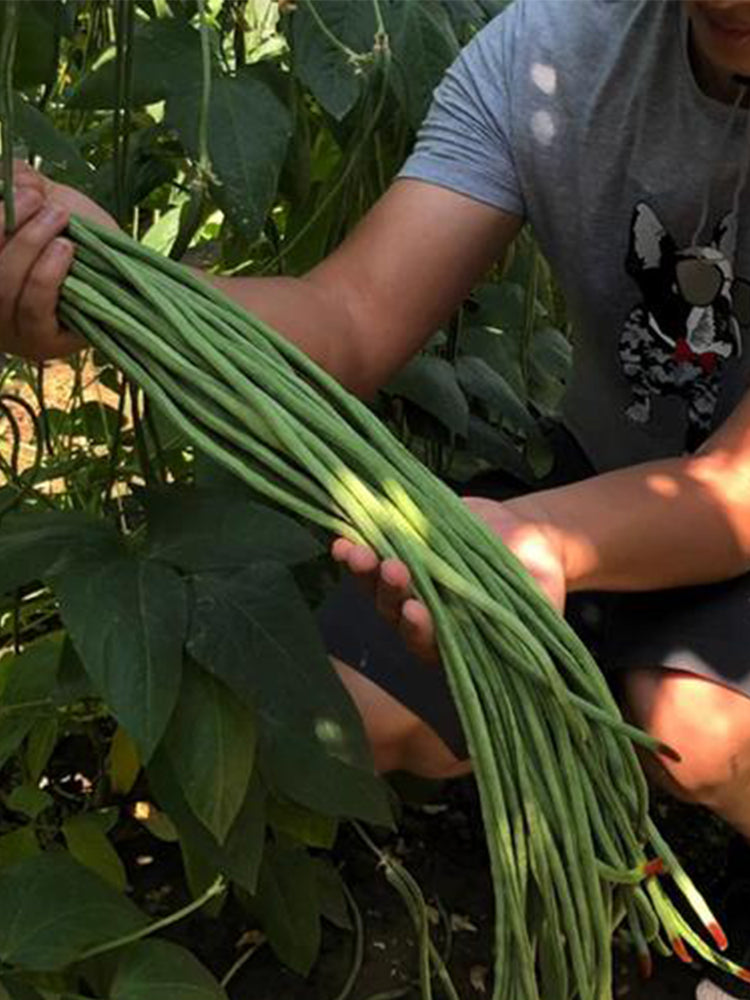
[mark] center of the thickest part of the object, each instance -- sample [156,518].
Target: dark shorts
[704,630]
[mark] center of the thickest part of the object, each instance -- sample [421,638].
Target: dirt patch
[444,850]
[59,386]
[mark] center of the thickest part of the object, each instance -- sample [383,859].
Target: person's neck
[721,84]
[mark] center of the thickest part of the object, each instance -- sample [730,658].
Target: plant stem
[351,55]
[216,889]
[7,58]
[204,159]
[240,963]
[359,945]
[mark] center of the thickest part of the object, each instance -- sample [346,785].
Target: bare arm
[369,306]
[671,523]
[361,313]
[668,523]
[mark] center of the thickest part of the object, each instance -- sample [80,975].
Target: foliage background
[161,675]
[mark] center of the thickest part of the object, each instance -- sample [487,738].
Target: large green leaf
[248,133]
[240,856]
[254,631]
[424,45]
[288,907]
[431,384]
[54,910]
[38,544]
[211,745]
[39,27]
[160,970]
[18,845]
[319,63]
[166,60]
[203,529]
[128,617]
[61,158]
[150,162]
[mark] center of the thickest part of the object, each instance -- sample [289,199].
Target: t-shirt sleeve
[465,141]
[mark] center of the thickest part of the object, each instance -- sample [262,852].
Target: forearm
[303,312]
[669,523]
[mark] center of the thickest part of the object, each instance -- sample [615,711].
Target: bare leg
[400,740]
[709,725]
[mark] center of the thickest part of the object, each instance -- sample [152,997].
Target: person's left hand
[521,528]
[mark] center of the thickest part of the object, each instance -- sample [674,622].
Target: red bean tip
[680,950]
[718,935]
[654,867]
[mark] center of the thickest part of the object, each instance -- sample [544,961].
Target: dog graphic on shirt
[679,337]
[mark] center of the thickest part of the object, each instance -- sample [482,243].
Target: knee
[706,723]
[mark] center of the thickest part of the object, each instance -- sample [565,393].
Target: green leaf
[319,63]
[28,800]
[211,746]
[253,630]
[239,858]
[86,912]
[287,905]
[466,16]
[18,845]
[248,135]
[202,529]
[431,384]
[40,744]
[331,894]
[482,382]
[123,762]
[61,158]
[550,364]
[539,454]
[308,827]
[89,845]
[27,682]
[37,41]
[149,163]
[160,970]
[73,683]
[95,421]
[497,448]
[160,236]
[127,617]
[501,351]
[16,989]
[36,545]
[166,60]
[423,46]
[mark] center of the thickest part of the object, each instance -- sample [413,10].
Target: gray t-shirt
[584,117]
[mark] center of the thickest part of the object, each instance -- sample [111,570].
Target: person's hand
[522,530]
[34,261]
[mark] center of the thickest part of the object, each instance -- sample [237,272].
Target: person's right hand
[524,528]
[34,261]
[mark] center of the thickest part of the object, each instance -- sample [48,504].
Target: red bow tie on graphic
[684,352]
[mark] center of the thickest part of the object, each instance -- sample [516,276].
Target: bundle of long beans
[573,851]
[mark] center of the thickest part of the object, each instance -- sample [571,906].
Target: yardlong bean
[564,800]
